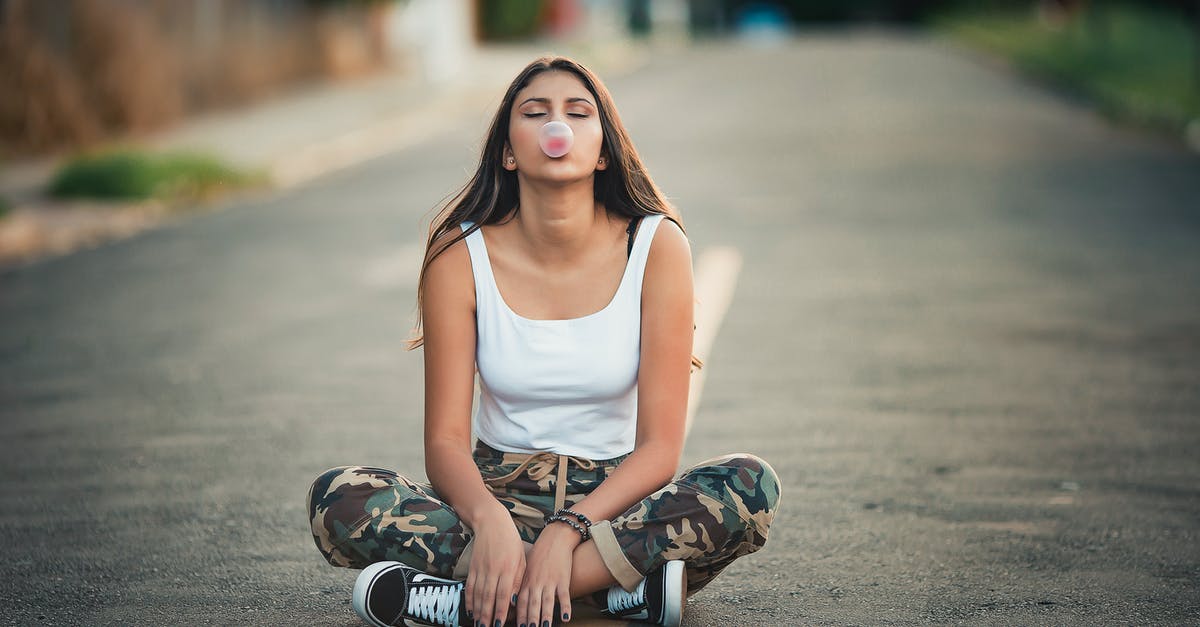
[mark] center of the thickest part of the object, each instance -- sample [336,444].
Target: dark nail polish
[498,622]
[566,616]
[545,623]
[514,599]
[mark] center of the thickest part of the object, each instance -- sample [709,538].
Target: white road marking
[715,279]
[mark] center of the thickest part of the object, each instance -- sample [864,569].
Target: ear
[507,159]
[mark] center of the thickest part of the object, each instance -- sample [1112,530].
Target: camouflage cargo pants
[713,513]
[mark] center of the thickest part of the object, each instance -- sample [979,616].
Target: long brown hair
[625,188]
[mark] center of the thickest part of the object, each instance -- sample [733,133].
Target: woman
[565,280]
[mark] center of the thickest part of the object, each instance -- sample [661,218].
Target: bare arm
[498,561]
[448,313]
[664,374]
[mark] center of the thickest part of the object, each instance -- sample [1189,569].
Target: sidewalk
[294,138]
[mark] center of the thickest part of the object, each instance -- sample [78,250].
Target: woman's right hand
[496,569]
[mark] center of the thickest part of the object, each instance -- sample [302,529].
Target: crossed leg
[716,511]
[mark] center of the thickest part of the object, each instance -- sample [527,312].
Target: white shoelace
[435,604]
[619,600]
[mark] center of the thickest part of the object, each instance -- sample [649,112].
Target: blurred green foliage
[503,20]
[133,175]
[4,207]
[1137,63]
[334,3]
[840,10]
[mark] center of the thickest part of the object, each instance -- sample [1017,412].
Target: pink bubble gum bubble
[555,138]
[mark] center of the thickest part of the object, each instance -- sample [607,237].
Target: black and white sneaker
[659,598]
[389,594]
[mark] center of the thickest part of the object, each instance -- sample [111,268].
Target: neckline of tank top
[559,321]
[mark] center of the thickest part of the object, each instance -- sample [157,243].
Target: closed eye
[536,115]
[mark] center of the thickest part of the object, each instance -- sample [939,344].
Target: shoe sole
[362,586]
[675,578]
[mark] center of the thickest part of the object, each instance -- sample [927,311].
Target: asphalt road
[965,334]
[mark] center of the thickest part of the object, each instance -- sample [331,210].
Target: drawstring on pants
[538,466]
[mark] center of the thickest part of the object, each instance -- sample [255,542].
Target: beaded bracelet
[570,512]
[578,527]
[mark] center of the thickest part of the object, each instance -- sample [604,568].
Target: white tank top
[564,386]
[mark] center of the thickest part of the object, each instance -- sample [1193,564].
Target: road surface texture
[965,334]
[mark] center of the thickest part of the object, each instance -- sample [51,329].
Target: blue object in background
[762,23]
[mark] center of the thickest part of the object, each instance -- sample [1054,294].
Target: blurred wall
[73,72]
[433,37]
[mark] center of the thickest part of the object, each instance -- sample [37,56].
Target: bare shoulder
[670,248]
[448,278]
[667,283]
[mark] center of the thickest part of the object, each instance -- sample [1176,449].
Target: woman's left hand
[547,576]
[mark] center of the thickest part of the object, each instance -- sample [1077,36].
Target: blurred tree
[845,10]
[334,3]
[506,20]
[707,17]
[639,17]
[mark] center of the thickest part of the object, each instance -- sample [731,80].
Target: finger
[480,609]
[517,592]
[487,606]
[535,607]
[517,582]
[547,609]
[503,600]
[564,601]
[514,598]
[530,600]
[469,592]
[474,598]
[522,606]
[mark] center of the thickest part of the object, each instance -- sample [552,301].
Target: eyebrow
[547,100]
